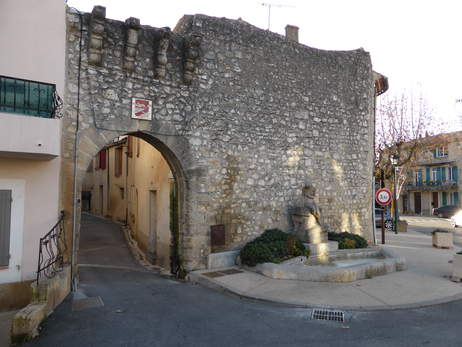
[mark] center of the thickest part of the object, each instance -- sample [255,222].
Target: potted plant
[442,238]
[457,267]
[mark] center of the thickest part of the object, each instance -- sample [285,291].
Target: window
[27,97]
[455,198]
[118,161]
[441,152]
[434,174]
[418,177]
[5,226]
[130,146]
[102,160]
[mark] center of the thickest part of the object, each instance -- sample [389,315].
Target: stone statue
[305,217]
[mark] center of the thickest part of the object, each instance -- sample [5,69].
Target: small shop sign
[141,109]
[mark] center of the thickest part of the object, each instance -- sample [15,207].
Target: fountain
[326,262]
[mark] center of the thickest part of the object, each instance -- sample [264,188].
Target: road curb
[212,284]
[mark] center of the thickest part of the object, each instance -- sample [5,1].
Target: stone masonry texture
[243,116]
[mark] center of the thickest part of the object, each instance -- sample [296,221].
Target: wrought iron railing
[433,185]
[32,98]
[51,251]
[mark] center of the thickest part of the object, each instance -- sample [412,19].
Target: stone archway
[90,144]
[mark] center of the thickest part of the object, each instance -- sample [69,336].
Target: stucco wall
[36,46]
[33,37]
[261,117]
[148,180]
[41,205]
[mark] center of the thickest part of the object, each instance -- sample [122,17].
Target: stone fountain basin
[345,265]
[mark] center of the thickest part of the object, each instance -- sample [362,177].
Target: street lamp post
[394,162]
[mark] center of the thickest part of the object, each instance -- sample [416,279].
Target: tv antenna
[269,5]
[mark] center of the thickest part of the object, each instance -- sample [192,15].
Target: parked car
[456,220]
[378,217]
[446,211]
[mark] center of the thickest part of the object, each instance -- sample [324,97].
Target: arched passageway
[136,181]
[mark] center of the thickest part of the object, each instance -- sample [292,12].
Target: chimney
[292,33]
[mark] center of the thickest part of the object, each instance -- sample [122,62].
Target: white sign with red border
[383,196]
[141,109]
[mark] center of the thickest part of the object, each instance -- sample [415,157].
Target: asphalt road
[145,309]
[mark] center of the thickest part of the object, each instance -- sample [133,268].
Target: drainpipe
[74,279]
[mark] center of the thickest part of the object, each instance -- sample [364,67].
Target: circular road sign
[383,196]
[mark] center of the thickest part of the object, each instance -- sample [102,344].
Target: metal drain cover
[323,314]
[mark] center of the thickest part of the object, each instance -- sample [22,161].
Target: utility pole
[269,5]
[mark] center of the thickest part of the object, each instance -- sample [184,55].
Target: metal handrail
[51,251]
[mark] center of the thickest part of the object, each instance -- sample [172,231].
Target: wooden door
[435,199]
[417,203]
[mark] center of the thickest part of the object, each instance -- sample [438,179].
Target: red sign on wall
[141,109]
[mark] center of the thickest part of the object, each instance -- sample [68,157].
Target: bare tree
[402,121]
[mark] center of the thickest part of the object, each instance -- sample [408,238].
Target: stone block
[222,259]
[402,226]
[45,297]
[457,268]
[442,239]
[26,322]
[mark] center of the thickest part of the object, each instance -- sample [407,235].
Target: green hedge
[348,240]
[273,246]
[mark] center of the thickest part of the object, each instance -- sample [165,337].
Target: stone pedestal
[307,229]
[321,249]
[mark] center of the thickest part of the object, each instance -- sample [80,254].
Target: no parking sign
[383,196]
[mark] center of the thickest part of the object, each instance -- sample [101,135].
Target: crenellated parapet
[133,47]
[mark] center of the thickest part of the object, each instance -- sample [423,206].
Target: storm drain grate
[323,314]
[231,272]
[213,274]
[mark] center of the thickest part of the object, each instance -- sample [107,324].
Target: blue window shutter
[445,198]
[455,173]
[419,177]
[434,153]
[443,173]
[438,174]
[5,226]
[427,175]
[455,198]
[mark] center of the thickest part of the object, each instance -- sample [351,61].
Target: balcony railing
[433,185]
[29,98]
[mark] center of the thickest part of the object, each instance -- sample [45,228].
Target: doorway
[152,225]
[435,200]
[417,203]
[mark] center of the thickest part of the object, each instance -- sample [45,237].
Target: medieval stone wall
[247,116]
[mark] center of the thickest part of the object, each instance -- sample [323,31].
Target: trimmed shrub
[348,240]
[273,246]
